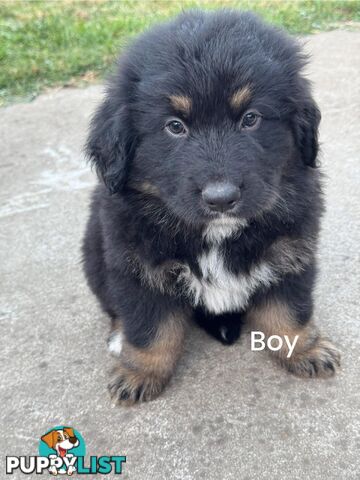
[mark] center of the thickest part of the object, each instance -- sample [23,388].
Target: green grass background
[67,42]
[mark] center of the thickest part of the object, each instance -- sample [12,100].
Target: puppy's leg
[226,327]
[313,354]
[143,371]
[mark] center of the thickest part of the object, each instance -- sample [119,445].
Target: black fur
[206,57]
[226,327]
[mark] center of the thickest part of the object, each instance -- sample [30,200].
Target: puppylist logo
[62,452]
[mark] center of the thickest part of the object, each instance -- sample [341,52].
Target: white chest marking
[221,291]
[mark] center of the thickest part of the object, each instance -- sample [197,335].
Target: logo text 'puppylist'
[62,452]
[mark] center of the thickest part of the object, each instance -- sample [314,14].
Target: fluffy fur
[155,254]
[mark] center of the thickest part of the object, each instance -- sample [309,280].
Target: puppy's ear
[108,145]
[69,431]
[50,438]
[306,132]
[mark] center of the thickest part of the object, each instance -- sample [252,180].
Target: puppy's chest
[216,288]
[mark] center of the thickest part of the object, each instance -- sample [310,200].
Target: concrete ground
[229,413]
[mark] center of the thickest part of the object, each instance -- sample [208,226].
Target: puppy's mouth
[223,218]
[62,452]
[222,227]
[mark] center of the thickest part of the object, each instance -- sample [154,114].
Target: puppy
[210,199]
[61,440]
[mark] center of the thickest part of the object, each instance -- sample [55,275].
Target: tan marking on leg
[162,277]
[313,355]
[291,255]
[240,97]
[181,103]
[143,372]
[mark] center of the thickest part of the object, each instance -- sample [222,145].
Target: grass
[66,42]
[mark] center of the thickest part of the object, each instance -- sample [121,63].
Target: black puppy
[206,143]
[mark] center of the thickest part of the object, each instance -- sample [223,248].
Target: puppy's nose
[221,196]
[73,440]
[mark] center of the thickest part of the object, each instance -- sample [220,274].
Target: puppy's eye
[250,120]
[175,127]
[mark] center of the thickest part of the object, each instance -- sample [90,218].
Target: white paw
[53,470]
[115,343]
[71,470]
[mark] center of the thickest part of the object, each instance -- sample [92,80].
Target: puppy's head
[61,440]
[209,116]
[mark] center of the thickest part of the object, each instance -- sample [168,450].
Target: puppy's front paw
[53,470]
[71,470]
[129,386]
[321,360]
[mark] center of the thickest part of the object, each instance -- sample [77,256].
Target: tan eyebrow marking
[146,187]
[240,97]
[181,103]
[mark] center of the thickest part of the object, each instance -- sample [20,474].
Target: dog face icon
[61,440]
